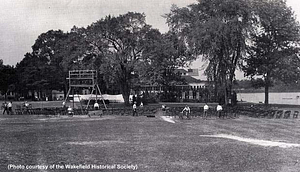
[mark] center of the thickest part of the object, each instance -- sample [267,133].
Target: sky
[22,21]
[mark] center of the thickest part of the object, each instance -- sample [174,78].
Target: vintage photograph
[150,86]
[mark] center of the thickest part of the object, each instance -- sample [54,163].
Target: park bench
[99,112]
[176,111]
[296,113]
[234,112]
[149,111]
[271,114]
[80,111]
[18,111]
[264,113]
[287,114]
[117,111]
[212,112]
[279,114]
[121,111]
[196,111]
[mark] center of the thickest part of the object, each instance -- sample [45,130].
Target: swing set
[84,79]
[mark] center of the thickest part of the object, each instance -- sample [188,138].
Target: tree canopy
[216,30]
[7,78]
[274,44]
[125,50]
[261,37]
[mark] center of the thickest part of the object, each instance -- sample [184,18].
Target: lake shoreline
[286,98]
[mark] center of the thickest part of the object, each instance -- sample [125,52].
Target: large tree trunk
[267,85]
[266,94]
[225,87]
[125,90]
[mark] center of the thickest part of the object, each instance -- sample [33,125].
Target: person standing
[205,108]
[219,111]
[9,106]
[70,111]
[26,104]
[163,108]
[4,106]
[134,110]
[64,108]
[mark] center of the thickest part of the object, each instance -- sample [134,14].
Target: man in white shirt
[9,106]
[26,104]
[187,111]
[205,108]
[219,111]
[163,108]
[70,111]
[134,109]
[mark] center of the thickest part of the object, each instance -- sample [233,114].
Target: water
[274,98]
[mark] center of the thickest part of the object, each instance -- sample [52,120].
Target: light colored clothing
[141,105]
[219,108]
[187,109]
[9,105]
[134,110]
[70,111]
[205,107]
[96,105]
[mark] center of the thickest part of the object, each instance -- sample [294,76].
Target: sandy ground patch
[168,119]
[90,143]
[74,118]
[255,141]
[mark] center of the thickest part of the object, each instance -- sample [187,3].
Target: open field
[148,144]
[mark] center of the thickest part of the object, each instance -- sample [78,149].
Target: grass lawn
[148,144]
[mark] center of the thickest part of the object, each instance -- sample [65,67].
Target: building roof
[190,79]
[181,71]
[193,72]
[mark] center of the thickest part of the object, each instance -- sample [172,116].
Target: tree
[274,46]
[60,52]
[119,43]
[217,30]
[43,69]
[164,56]
[46,49]
[8,78]
[32,75]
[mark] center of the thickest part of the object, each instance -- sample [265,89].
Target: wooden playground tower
[84,79]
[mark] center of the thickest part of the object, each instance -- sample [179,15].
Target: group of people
[70,110]
[134,108]
[7,108]
[187,111]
